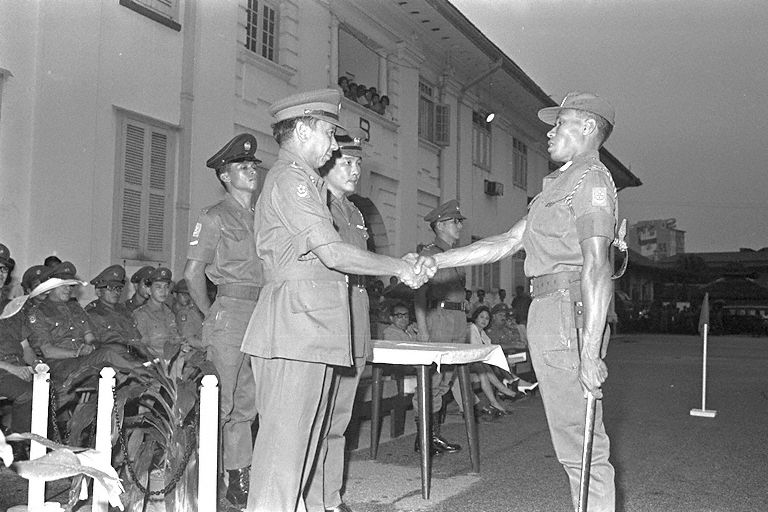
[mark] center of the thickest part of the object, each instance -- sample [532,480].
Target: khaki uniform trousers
[555,356]
[223,332]
[292,402]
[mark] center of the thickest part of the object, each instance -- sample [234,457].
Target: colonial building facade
[109,109]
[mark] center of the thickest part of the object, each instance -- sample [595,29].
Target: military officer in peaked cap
[567,236]
[440,315]
[111,320]
[341,174]
[222,248]
[140,280]
[300,328]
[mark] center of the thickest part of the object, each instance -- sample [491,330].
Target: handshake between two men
[418,270]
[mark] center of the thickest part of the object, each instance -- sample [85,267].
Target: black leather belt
[238,291]
[356,280]
[444,304]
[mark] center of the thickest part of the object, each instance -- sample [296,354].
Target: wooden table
[422,356]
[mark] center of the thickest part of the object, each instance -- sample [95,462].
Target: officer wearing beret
[300,328]
[140,280]
[61,330]
[341,174]
[567,236]
[111,320]
[154,319]
[15,374]
[222,248]
[440,315]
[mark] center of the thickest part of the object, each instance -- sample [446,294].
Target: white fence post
[104,409]
[208,448]
[41,386]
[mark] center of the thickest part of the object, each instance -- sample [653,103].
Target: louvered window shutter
[145,194]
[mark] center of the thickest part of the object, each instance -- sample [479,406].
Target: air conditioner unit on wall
[494,188]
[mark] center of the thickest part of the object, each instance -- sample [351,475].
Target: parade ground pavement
[666,460]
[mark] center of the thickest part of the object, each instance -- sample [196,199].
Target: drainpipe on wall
[462,92]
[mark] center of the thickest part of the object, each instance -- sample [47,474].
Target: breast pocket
[238,242]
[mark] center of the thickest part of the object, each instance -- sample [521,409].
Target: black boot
[237,490]
[438,441]
[417,444]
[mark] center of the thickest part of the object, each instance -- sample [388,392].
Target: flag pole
[704,321]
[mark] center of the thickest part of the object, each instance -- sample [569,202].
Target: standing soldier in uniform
[300,328]
[567,236]
[222,248]
[440,315]
[341,174]
[141,283]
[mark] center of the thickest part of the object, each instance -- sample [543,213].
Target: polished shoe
[444,445]
[237,490]
[433,449]
[342,507]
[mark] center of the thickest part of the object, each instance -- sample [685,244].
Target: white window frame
[481,141]
[144,189]
[259,13]
[434,117]
[520,163]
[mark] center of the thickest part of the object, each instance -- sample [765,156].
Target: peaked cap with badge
[65,270]
[181,286]
[142,274]
[34,273]
[585,101]
[323,104]
[160,274]
[112,275]
[447,210]
[241,148]
[5,255]
[351,143]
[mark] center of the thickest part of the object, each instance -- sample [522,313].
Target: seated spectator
[154,319]
[384,102]
[15,364]
[344,84]
[189,319]
[503,331]
[352,91]
[112,322]
[400,328]
[376,105]
[489,383]
[34,276]
[361,92]
[61,331]
[141,284]
[479,302]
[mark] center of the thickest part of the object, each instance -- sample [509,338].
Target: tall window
[488,276]
[145,183]
[481,141]
[434,118]
[261,28]
[520,162]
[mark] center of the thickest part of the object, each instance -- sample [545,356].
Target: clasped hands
[417,270]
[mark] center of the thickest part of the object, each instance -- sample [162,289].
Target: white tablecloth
[408,352]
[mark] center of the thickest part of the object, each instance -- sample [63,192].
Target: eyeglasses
[400,315]
[115,287]
[4,269]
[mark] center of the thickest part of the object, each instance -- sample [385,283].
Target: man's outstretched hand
[417,269]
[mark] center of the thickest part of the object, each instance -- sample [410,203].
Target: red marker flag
[704,316]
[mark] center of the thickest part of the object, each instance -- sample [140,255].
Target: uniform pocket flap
[562,359]
[304,296]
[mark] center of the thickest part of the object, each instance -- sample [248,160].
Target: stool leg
[425,428]
[469,416]
[376,391]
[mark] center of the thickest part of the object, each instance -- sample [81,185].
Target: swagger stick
[589,420]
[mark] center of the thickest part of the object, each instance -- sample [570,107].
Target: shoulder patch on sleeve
[599,196]
[196,232]
[301,190]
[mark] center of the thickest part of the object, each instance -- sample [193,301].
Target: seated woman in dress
[489,383]
[503,331]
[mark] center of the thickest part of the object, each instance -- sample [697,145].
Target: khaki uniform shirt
[58,324]
[303,310]
[223,239]
[352,230]
[133,303]
[189,321]
[577,202]
[157,328]
[113,324]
